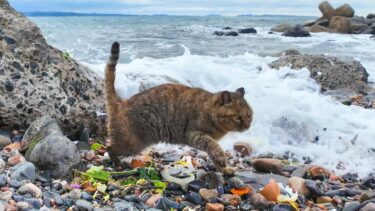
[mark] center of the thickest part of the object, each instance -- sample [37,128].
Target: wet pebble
[236,183]
[6,195]
[30,188]
[84,205]
[195,198]
[207,194]
[34,202]
[166,204]
[196,185]
[14,183]
[214,207]
[86,196]
[22,205]
[282,207]
[213,179]
[123,205]
[75,194]
[18,198]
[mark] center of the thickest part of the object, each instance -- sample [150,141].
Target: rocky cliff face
[37,79]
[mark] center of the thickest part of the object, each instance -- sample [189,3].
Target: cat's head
[231,111]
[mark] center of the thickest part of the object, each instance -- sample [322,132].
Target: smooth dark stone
[18,198]
[14,183]
[166,204]
[282,207]
[9,40]
[231,33]
[332,193]
[173,186]
[220,190]
[227,28]
[59,201]
[247,31]
[219,33]
[86,196]
[196,185]
[369,182]
[246,206]
[195,198]
[316,188]
[34,202]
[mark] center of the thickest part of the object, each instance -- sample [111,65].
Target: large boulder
[318,28]
[327,10]
[48,149]
[296,31]
[340,24]
[38,79]
[330,72]
[344,10]
[282,27]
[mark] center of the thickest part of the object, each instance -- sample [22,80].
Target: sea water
[291,116]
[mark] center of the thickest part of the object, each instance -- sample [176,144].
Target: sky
[189,7]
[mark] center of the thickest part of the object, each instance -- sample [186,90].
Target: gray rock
[247,31]
[23,171]
[236,182]
[55,154]
[75,194]
[354,206]
[299,172]
[231,33]
[282,27]
[296,31]
[84,205]
[368,207]
[213,179]
[39,129]
[24,48]
[258,181]
[4,140]
[330,72]
[15,183]
[359,28]
[340,24]
[3,180]
[124,206]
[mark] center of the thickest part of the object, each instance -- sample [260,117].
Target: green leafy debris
[97,173]
[96,146]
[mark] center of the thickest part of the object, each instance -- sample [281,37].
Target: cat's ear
[222,98]
[240,92]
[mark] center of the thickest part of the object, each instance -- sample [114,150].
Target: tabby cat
[172,113]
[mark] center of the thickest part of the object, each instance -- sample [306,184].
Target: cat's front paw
[219,160]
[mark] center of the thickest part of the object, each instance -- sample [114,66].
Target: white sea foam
[290,113]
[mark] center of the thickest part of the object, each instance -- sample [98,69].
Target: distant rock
[344,10]
[340,24]
[231,33]
[227,28]
[327,10]
[289,52]
[247,31]
[370,16]
[39,79]
[219,33]
[330,72]
[282,27]
[296,31]
[319,28]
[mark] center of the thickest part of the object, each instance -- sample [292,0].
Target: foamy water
[290,115]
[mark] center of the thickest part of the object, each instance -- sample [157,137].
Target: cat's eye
[238,118]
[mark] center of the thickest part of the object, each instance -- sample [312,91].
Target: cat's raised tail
[110,75]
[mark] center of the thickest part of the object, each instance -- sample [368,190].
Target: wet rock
[282,27]
[236,183]
[227,28]
[296,31]
[244,149]
[213,179]
[298,185]
[299,172]
[340,24]
[344,10]
[316,188]
[352,206]
[247,31]
[318,172]
[231,33]
[34,202]
[289,52]
[259,201]
[231,199]
[282,207]
[66,78]
[124,206]
[214,207]
[268,165]
[90,155]
[207,194]
[219,33]
[369,182]
[196,185]
[84,205]
[23,171]
[342,77]
[166,204]
[195,198]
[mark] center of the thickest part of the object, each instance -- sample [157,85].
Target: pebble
[213,179]
[36,203]
[259,201]
[75,194]
[352,206]
[214,207]
[86,196]
[12,161]
[84,205]
[236,183]
[22,205]
[298,185]
[18,198]
[14,183]
[3,180]
[123,205]
[207,194]
[90,155]
[2,165]
[166,204]
[268,165]
[23,171]
[6,195]
[30,188]
[195,198]
[244,149]
[196,185]
[318,172]
[153,199]
[282,207]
